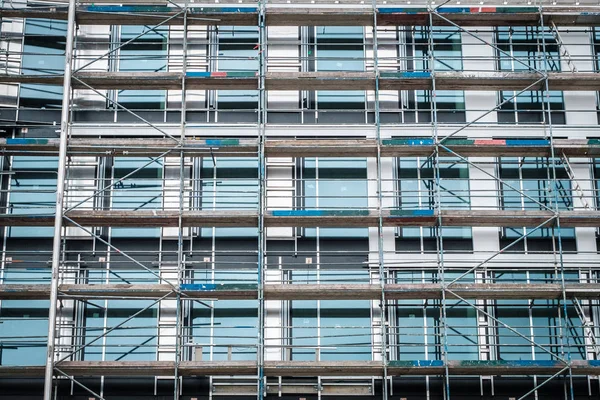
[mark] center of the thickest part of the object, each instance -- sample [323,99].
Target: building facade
[299,200]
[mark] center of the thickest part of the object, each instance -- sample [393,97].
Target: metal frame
[60,192]
[383,268]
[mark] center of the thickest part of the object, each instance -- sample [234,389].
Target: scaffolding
[83,207]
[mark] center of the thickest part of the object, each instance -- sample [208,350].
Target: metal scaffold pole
[556,232]
[380,256]
[438,205]
[262,115]
[60,192]
[181,198]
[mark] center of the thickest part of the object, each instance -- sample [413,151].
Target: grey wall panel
[341,117]
[150,116]
[94,116]
[284,118]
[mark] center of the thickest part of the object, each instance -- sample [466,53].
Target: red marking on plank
[483,9]
[218,74]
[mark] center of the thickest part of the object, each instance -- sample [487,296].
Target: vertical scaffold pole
[380,255]
[180,229]
[262,119]
[60,191]
[438,206]
[564,329]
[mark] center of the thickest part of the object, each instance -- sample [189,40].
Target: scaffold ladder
[564,53]
[576,186]
[588,326]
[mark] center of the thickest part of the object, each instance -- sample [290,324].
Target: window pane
[340,48]
[148,53]
[43,54]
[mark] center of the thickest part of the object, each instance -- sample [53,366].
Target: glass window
[136,340]
[23,332]
[447,49]
[417,190]
[304,331]
[238,52]
[335,184]
[31,262]
[345,330]
[233,262]
[342,261]
[340,48]
[123,270]
[229,184]
[522,50]
[140,190]
[229,330]
[33,192]
[420,334]
[148,53]
[43,54]
[527,184]
[540,323]
[326,329]
[231,333]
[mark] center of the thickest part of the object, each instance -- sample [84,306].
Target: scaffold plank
[283,15]
[311,218]
[309,368]
[232,147]
[338,80]
[397,291]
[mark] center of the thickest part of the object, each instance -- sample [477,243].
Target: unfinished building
[299,199]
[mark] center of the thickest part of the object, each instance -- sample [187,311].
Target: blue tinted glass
[33,191]
[122,270]
[418,190]
[412,320]
[140,190]
[512,346]
[232,335]
[43,54]
[229,184]
[526,49]
[462,333]
[340,48]
[23,332]
[235,330]
[148,53]
[447,50]
[304,330]
[238,52]
[419,335]
[345,330]
[135,340]
[526,185]
[336,184]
